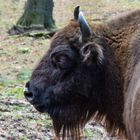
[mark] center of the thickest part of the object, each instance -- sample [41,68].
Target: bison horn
[85,29]
[76,12]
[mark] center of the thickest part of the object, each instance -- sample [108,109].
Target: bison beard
[86,74]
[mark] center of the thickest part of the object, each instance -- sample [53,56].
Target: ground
[19,55]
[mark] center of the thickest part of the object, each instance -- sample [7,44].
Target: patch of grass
[15,92]
[24,50]
[18,116]
[24,74]
[24,138]
[2,52]
[90,134]
[4,81]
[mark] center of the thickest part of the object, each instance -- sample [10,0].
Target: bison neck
[110,94]
[118,70]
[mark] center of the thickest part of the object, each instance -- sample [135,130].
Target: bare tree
[38,15]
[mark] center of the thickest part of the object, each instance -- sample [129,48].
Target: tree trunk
[38,14]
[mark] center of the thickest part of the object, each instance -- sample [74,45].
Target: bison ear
[76,12]
[92,53]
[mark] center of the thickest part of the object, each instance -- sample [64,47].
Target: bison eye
[61,61]
[63,57]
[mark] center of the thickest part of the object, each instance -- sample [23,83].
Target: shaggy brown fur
[115,48]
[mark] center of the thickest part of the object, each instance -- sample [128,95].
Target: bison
[91,71]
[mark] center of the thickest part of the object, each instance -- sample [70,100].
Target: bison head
[69,80]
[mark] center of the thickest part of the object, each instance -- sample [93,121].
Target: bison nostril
[28,95]
[27,85]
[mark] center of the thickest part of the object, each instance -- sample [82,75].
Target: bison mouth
[41,108]
[68,117]
[40,103]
